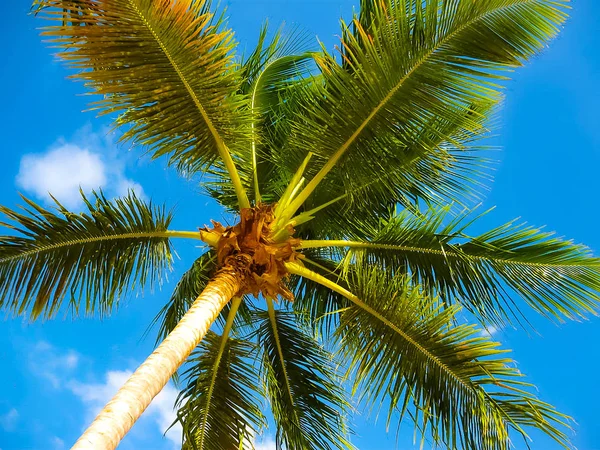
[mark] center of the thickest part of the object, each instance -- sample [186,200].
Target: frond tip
[97,256]
[165,67]
[407,349]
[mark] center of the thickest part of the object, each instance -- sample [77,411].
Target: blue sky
[56,374]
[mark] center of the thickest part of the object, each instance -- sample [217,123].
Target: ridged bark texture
[119,415]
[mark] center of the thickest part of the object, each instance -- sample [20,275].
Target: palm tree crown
[350,266]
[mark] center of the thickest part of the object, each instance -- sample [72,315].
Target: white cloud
[63,368]
[124,185]
[97,394]
[265,443]
[9,420]
[489,331]
[89,161]
[61,172]
[52,364]
[57,443]
[160,411]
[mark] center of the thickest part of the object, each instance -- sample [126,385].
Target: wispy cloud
[53,364]
[160,412]
[97,394]
[57,443]
[64,368]
[489,331]
[8,421]
[61,172]
[265,443]
[89,161]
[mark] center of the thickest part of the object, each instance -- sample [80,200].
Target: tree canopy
[352,174]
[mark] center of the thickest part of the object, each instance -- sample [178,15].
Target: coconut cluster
[248,248]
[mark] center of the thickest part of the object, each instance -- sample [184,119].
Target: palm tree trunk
[119,415]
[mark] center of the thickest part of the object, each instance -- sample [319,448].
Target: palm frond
[92,258]
[422,65]
[271,73]
[453,171]
[306,398]
[287,51]
[166,68]
[485,273]
[281,68]
[316,306]
[220,406]
[407,349]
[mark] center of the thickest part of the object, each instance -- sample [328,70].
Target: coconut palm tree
[350,267]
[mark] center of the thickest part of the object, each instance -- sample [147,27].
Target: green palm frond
[555,277]
[423,61]
[306,398]
[220,405]
[317,307]
[407,350]
[93,258]
[368,14]
[281,74]
[273,66]
[165,67]
[371,191]
[272,74]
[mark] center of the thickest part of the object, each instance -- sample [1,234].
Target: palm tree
[350,266]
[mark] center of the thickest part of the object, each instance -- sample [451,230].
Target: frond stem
[257,196]
[273,320]
[235,304]
[306,216]
[254,160]
[291,187]
[253,127]
[330,164]
[203,236]
[221,147]
[297,269]
[320,266]
[445,253]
